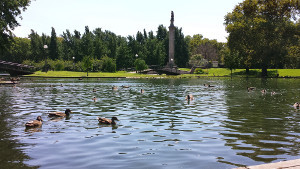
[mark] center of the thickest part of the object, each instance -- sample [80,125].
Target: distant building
[215,63]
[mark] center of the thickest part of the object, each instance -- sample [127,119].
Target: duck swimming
[35,123]
[108,121]
[297,105]
[189,97]
[60,114]
[250,88]
[125,86]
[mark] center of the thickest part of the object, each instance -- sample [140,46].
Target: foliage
[198,71]
[87,64]
[231,59]
[209,49]
[10,10]
[53,48]
[108,65]
[261,32]
[140,65]
[197,61]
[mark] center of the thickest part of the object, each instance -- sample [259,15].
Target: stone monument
[171,63]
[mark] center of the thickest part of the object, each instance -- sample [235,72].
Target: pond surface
[223,127]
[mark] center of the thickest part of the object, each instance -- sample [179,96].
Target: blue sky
[126,17]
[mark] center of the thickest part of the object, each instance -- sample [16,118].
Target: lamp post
[46,47]
[73,63]
[136,56]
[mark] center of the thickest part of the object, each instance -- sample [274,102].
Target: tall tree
[163,36]
[258,30]
[87,42]
[53,48]
[37,50]
[181,49]
[9,9]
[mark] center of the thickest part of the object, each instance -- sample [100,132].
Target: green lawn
[218,72]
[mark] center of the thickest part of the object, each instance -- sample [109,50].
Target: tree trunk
[264,72]
[247,70]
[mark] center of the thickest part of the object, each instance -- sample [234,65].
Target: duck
[189,97]
[125,86]
[264,91]
[34,123]
[297,105]
[115,88]
[250,88]
[95,99]
[60,114]
[142,91]
[108,121]
[94,90]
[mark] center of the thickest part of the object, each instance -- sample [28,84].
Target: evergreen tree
[53,49]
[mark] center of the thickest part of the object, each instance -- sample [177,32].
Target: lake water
[223,127]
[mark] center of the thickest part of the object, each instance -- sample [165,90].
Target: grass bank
[213,72]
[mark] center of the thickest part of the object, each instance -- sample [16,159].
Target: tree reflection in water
[11,155]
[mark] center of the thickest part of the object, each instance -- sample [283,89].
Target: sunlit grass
[213,72]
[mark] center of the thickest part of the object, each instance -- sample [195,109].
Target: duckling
[297,105]
[60,114]
[107,121]
[35,123]
[189,97]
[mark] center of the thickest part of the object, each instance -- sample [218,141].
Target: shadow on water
[11,155]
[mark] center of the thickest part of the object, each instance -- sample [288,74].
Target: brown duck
[60,114]
[108,121]
[35,123]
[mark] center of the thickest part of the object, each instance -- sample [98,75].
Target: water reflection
[11,154]
[225,126]
[259,126]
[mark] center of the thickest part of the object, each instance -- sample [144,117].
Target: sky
[126,17]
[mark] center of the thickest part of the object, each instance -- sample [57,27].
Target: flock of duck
[112,121]
[264,91]
[38,122]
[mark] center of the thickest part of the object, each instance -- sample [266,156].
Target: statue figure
[172,16]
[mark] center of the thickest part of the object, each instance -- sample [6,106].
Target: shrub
[140,65]
[198,71]
[59,65]
[108,65]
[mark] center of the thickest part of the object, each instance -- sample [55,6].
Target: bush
[59,65]
[140,65]
[108,65]
[198,71]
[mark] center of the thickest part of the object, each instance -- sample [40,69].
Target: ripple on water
[224,127]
